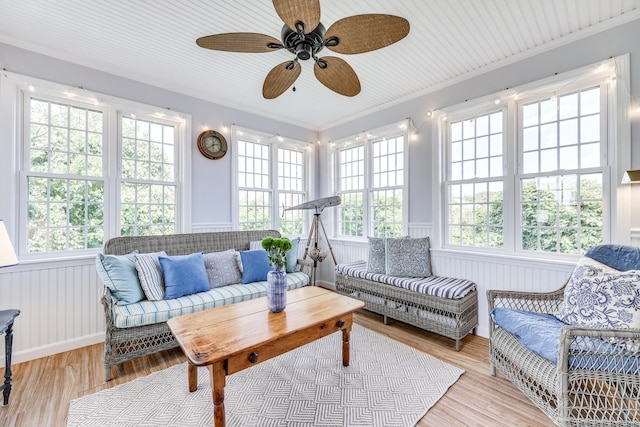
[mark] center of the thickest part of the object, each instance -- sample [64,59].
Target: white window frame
[14,92]
[274,141]
[615,73]
[366,139]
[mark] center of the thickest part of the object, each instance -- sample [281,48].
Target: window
[148,182]
[93,169]
[291,185]
[272,174]
[370,181]
[562,182]
[65,177]
[476,181]
[549,197]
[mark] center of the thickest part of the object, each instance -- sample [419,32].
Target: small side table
[6,327]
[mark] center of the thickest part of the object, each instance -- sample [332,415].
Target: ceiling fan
[304,36]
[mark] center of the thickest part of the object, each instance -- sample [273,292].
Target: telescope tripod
[317,254]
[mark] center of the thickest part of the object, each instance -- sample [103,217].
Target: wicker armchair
[593,383]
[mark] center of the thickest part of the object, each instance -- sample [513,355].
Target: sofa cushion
[222,268]
[183,275]
[376,262]
[255,265]
[150,274]
[406,257]
[538,332]
[292,255]
[119,274]
[151,312]
[600,296]
[440,286]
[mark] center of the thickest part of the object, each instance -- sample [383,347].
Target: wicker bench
[126,343]
[450,317]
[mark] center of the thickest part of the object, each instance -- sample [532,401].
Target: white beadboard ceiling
[153,41]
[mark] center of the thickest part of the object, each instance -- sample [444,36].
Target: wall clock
[212,144]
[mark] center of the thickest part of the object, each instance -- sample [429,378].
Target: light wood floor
[43,388]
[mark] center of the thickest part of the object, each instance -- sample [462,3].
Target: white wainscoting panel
[420,229]
[61,310]
[59,303]
[204,227]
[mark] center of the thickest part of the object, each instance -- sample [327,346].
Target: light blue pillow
[119,274]
[255,265]
[183,275]
[292,255]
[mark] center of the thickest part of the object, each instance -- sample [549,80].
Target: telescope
[317,254]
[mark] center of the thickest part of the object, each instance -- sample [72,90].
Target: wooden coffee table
[231,338]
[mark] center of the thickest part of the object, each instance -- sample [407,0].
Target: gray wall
[617,41]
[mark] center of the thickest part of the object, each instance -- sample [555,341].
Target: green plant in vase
[277,250]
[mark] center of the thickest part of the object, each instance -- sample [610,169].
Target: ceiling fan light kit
[304,36]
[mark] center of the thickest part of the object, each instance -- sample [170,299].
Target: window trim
[366,139]
[274,141]
[618,128]
[14,90]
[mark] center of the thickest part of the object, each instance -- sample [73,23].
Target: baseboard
[48,350]
[327,285]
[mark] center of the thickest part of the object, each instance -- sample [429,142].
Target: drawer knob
[253,357]
[340,323]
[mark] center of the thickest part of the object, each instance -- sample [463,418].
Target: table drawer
[255,355]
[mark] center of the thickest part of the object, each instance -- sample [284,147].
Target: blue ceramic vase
[277,290]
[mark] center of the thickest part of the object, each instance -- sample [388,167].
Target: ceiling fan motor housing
[304,46]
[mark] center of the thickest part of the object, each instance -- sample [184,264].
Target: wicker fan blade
[337,76]
[364,33]
[280,78]
[239,42]
[307,11]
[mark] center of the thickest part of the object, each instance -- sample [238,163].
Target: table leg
[8,342]
[345,346]
[193,377]
[218,378]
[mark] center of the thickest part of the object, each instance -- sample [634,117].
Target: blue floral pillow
[407,257]
[602,297]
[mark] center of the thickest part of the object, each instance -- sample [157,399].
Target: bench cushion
[151,312]
[444,287]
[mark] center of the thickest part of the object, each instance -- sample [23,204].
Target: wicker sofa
[595,379]
[126,343]
[450,316]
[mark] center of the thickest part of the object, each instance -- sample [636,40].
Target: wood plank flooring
[43,388]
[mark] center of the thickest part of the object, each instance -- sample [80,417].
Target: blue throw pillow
[292,255]
[255,265]
[183,275]
[119,274]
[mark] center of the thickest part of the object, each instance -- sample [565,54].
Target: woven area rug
[387,384]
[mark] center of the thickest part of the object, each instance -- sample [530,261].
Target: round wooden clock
[212,144]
